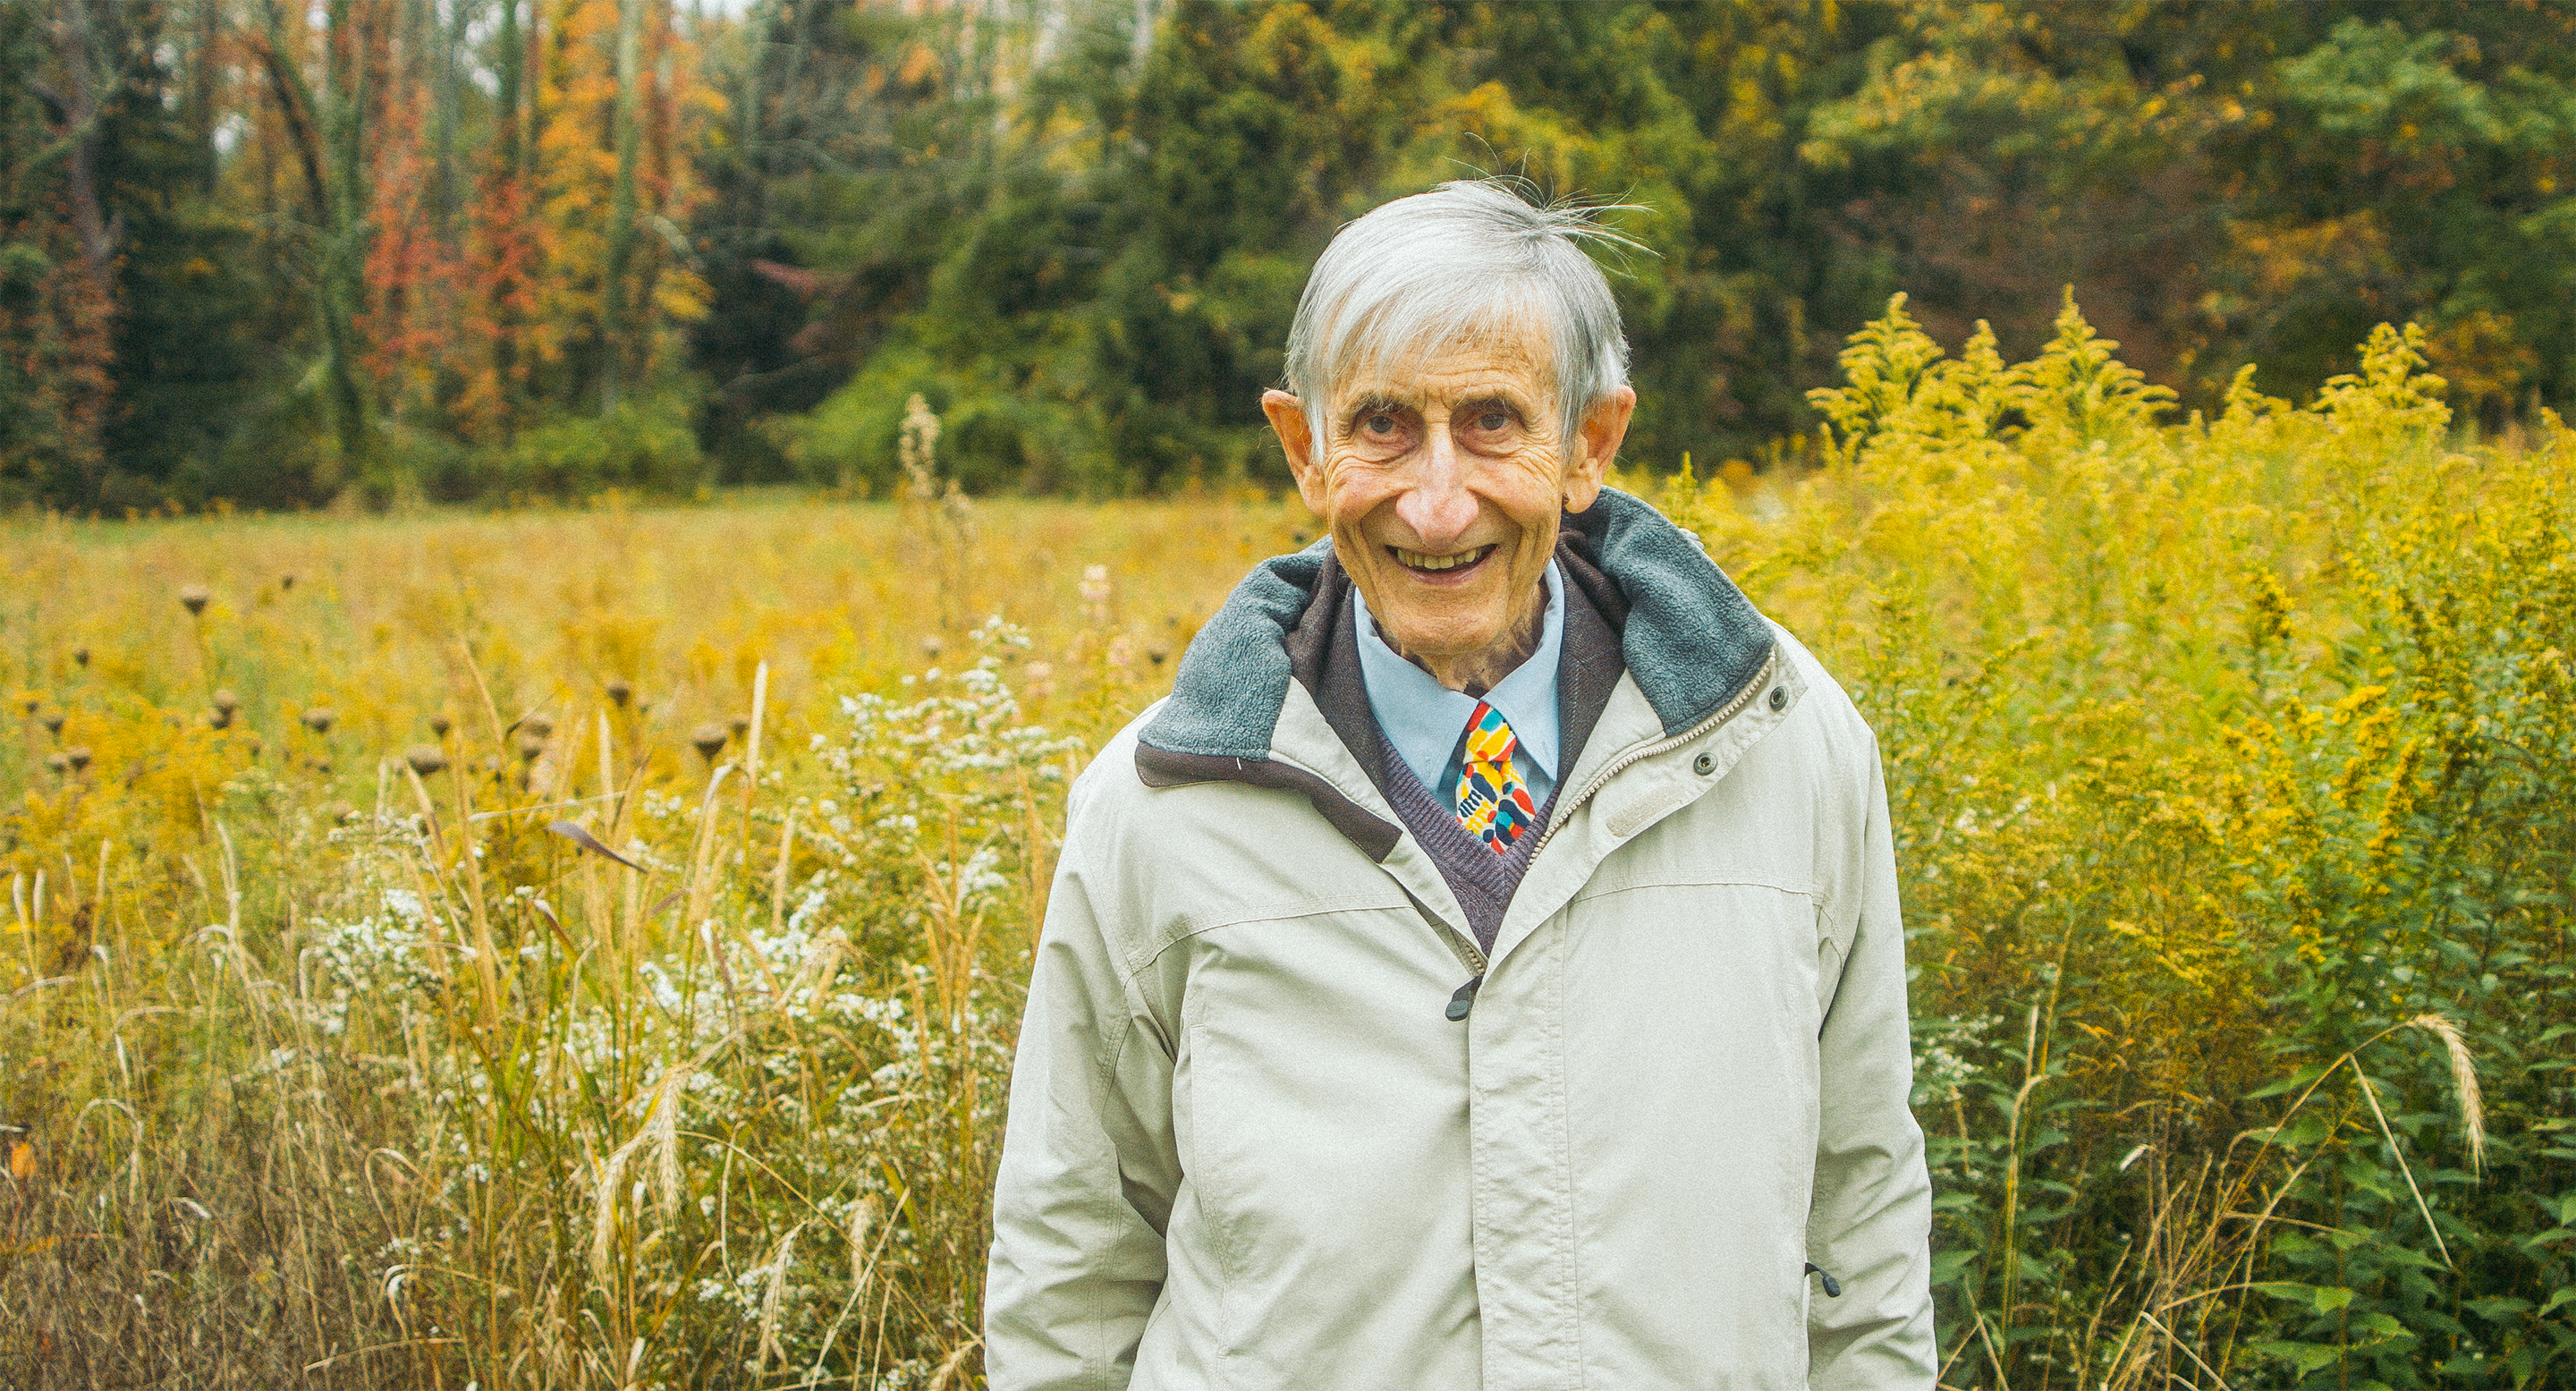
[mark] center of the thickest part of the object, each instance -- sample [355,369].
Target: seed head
[59,761]
[709,739]
[319,719]
[440,724]
[52,720]
[219,718]
[78,754]
[194,596]
[537,725]
[739,724]
[529,746]
[286,581]
[80,656]
[425,759]
[225,702]
[2464,1083]
[620,691]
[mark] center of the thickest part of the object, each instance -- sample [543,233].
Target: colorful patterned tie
[1493,802]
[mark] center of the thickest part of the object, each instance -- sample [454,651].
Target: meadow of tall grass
[583,948]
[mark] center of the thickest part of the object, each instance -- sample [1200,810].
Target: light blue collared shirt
[1424,719]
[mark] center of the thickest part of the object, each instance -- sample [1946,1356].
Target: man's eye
[1492,420]
[1381,425]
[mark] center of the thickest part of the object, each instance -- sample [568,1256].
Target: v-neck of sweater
[1323,651]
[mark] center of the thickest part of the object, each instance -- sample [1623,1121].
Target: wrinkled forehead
[1422,353]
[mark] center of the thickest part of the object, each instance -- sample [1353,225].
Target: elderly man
[1485,968]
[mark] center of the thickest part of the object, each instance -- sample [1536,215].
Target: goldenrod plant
[2231,766]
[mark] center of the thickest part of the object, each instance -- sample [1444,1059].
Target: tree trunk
[507,127]
[335,185]
[615,312]
[444,40]
[90,309]
[80,166]
[205,71]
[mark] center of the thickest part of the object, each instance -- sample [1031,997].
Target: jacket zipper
[1733,707]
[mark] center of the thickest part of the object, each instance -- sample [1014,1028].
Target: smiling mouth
[1421,562]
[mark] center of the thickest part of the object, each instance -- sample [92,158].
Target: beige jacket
[1249,1147]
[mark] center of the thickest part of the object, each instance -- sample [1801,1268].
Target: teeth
[1419,561]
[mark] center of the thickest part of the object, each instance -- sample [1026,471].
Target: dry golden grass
[339,1206]
[376,619]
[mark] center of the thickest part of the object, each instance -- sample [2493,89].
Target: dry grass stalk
[701,885]
[608,1203]
[772,1294]
[662,1130]
[2464,1083]
[2370,1093]
[949,1365]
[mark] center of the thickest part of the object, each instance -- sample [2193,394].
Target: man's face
[1442,481]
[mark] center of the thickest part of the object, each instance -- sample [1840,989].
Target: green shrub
[639,446]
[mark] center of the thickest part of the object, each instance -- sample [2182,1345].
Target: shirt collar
[1423,719]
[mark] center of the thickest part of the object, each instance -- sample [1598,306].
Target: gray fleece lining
[1691,639]
[1234,677]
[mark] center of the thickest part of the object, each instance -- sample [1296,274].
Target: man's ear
[1288,421]
[1596,444]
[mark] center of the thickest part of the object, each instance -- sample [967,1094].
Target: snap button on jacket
[1254,1142]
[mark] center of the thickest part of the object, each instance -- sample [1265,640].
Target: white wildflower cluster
[970,731]
[930,796]
[384,954]
[781,1079]
[975,729]
[1941,1068]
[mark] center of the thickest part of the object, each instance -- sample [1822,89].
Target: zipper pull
[1833,1287]
[1466,996]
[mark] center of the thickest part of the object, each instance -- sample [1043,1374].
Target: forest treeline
[272,253]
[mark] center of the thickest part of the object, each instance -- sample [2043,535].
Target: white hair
[1474,256]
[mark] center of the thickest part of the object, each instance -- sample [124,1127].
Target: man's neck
[1478,672]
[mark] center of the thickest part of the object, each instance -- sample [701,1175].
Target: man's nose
[1438,508]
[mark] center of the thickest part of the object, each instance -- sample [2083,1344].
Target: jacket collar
[1691,640]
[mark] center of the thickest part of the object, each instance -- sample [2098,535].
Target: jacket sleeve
[1871,1223]
[1089,1165]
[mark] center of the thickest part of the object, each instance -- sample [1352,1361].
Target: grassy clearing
[2228,760]
[367,1048]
